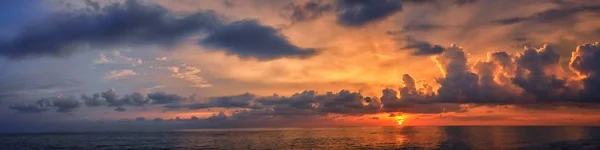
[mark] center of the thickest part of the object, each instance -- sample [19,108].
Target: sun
[400,120]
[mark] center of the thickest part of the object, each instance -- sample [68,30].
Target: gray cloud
[134,23]
[235,101]
[342,102]
[356,13]
[563,14]
[460,84]
[112,99]
[107,98]
[422,47]
[586,62]
[131,23]
[120,109]
[421,27]
[62,105]
[531,74]
[307,11]
[65,105]
[93,101]
[525,79]
[464,2]
[41,105]
[164,98]
[250,39]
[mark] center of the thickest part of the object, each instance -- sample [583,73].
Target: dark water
[484,138]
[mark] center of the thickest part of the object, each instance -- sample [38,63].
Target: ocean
[455,137]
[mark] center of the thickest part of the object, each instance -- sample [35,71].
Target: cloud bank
[134,23]
[532,76]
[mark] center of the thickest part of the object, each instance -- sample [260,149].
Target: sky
[189,64]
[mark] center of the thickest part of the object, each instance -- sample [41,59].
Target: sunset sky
[187,64]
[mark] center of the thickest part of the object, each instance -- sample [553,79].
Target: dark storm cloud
[464,2]
[131,23]
[239,101]
[422,48]
[65,105]
[228,3]
[93,101]
[137,99]
[343,102]
[113,100]
[250,39]
[586,62]
[307,11]
[421,27]
[556,15]
[164,98]
[245,100]
[108,98]
[120,109]
[62,105]
[346,102]
[191,106]
[531,76]
[460,84]
[134,23]
[356,13]
[40,106]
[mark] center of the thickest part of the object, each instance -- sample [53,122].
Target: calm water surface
[321,138]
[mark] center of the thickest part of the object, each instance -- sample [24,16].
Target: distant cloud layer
[528,77]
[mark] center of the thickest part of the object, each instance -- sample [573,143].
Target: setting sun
[399,122]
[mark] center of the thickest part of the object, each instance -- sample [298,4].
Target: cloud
[117,58]
[189,73]
[40,106]
[164,98]
[421,27]
[536,73]
[120,74]
[250,39]
[585,61]
[422,47]
[529,79]
[120,109]
[235,101]
[459,83]
[464,2]
[113,100]
[66,104]
[129,23]
[134,23]
[310,10]
[245,100]
[556,15]
[312,103]
[107,98]
[356,13]
[62,105]
[93,101]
